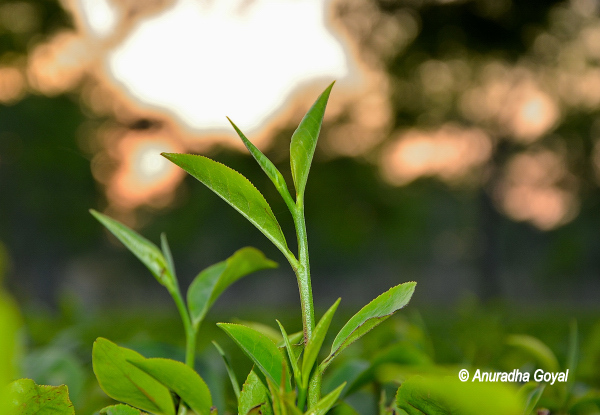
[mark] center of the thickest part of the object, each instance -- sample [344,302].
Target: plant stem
[306,299]
[190,331]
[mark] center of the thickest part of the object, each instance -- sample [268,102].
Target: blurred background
[460,147]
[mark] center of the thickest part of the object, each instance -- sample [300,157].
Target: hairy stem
[190,332]
[306,299]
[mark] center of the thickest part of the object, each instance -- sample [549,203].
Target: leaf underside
[25,397]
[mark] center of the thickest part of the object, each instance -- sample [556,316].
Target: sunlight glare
[234,59]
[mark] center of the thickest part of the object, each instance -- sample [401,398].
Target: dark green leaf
[236,190]
[24,397]
[370,316]
[210,283]
[120,409]
[262,350]
[311,351]
[449,396]
[254,395]
[142,248]
[304,141]
[267,166]
[181,379]
[124,382]
[326,402]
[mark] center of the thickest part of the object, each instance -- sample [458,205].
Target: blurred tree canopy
[463,66]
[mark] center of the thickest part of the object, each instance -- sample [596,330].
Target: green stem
[190,331]
[306,299]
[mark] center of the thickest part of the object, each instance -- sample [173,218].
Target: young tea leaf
[166,250]
[262,350]
[181,379]
[254,396]
[120,409]
[210,283]
[24,397]
[142,248]
[326,402]
[304,141]
[370,316]
[236,190]
[124,382]
[268,167]
[311,352]
[291,354]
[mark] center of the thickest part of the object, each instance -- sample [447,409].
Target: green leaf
[343,409]
[181,379]
[284,403]
[371,315]
[326,402]
[236,190]
[449,396]
[230,371]
[166,250]
[120,409]
[291,354]
[262,350]
[531,392]
[124,382]
[304,141]
[254,396]
[536,349]
[210,283]
[24,397]
[142,248]
[267,166]
[311,351]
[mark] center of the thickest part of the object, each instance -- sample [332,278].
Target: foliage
[287,377]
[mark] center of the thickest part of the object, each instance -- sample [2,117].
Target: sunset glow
[449,153]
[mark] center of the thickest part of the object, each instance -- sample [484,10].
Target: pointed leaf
[291,354]
[210,283]
[120,409]
[181,379]
[304,141]
[326,402]
[311,352]
[268,167]
[230,372]
[166,250]
[262,350]
[142,248]
[24,397]
[236,190]
[370,316]
[254,396]
[124,382]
